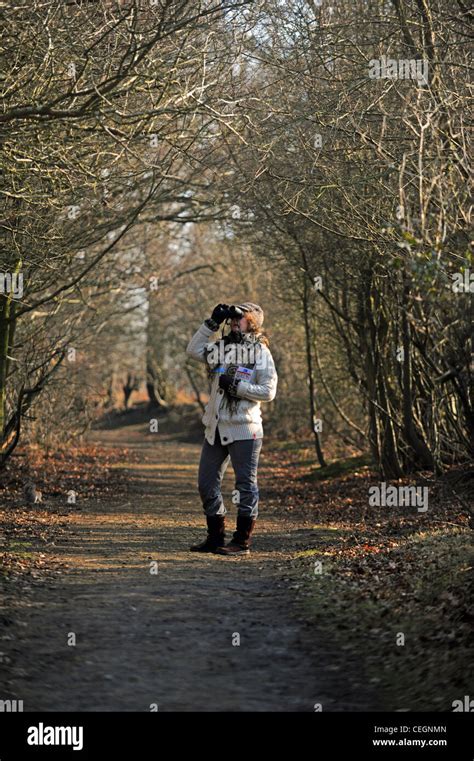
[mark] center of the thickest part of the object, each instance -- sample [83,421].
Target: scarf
[245,340]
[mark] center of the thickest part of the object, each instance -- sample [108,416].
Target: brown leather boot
[215,535]
[240,543]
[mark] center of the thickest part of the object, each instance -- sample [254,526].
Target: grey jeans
[214,460]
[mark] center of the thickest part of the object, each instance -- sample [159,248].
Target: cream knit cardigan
[246,422]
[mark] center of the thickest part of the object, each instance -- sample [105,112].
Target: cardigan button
[217,417]
[225,438]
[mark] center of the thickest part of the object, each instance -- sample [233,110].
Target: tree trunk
[4,345]
[309,361]
[195,388]
[417,443]
[7,333]
[128,388]
[154,395]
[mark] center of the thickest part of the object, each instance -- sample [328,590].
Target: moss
[339,468]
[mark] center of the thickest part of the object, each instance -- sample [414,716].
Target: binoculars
[235,312]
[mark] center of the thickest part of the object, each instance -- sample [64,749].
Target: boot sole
[233,554]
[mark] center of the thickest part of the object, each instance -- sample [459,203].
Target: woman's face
[236,324]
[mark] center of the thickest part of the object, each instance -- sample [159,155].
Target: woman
[242,374]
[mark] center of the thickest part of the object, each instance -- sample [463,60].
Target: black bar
[140,735]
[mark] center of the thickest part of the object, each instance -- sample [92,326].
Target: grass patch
[285,445]
[339,468]
[18,546]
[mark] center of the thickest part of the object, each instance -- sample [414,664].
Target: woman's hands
[220,313]
[229,384]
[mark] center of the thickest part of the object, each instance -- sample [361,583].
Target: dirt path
[166,638]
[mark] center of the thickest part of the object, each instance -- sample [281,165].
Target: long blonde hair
[252,327]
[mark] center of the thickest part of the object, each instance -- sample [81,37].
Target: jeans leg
[244,455]
[212,466]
